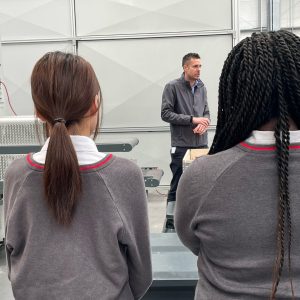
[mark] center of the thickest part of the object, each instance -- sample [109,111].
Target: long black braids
[239,83]
[260,81]
[282,139]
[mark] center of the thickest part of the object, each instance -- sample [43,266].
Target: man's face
[192,69]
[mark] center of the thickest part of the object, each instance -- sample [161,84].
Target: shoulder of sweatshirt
[212,166]
[122,169]
[17,170]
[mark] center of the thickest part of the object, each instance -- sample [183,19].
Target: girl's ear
[97,101]
[95,104]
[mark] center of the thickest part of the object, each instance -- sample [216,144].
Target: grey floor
[157,211]
[157,198]
[5,289]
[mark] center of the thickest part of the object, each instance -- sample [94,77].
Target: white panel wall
[252,14]
[18,61]
[290,13]
[107,17]
[133,79]
[29,19]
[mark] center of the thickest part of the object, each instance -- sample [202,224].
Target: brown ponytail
[63,89]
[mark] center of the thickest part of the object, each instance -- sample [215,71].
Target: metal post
[235,21]
[273,15]
[260,14]
[291,15]
[2,102]
[73,26]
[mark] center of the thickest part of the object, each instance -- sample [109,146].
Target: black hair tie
[70,122]
[60,120]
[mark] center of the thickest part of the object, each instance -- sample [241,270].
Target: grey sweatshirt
[104,254]
[226,213]
[178,105]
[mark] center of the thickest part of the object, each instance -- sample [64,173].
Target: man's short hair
[188,56]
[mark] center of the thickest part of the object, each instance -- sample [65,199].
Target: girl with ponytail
[76,219]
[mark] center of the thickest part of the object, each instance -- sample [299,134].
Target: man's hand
[200,129]
[201,120]
[202,124]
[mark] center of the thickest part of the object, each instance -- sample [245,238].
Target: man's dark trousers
[176,168]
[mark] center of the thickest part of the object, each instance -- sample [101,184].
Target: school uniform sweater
[226,214]
[103,254]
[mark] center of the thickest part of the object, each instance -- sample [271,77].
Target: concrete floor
[157,199]
[157,211]
[6,293]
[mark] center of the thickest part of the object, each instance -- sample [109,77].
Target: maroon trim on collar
[97,165]
[264,147]
[82,168]
[32,163]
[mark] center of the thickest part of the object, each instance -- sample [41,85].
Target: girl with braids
[242,200]
[71,230]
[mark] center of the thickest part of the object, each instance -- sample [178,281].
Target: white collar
[258,137]
[85,148]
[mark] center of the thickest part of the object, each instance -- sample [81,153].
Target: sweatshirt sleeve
[168,113]
[12,183]
[7,212]
[187,205]
[195,190]
[134,214]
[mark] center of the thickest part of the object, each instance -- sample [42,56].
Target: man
[184,106]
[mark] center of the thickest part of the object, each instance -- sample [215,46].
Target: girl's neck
[271,125]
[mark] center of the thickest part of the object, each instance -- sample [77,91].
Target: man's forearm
[200,120]
[173,118]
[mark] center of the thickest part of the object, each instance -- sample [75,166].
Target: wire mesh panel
[21,131]
[5,160]
[17,132]
[14,134]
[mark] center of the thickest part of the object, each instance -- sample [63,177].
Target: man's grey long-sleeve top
[179,103]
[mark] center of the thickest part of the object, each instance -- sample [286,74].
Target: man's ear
[185,67]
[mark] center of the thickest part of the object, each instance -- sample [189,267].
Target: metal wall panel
[290,13]
[105,17]
[18,61]
[133,73]
[39,19]
[253,14]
